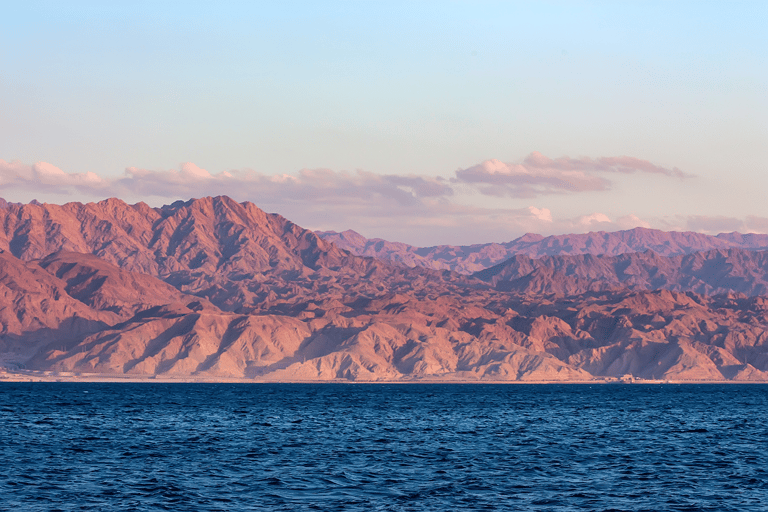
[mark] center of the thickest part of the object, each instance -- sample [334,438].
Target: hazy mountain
[468,259]
[215,288]
[709,272]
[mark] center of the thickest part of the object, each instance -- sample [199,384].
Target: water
[382,447]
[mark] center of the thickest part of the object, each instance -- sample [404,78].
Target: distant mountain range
[708,273]
[468,259]
[212,288]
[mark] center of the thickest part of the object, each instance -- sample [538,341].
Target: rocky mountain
[469,259]
[710,273]
[234,254]
[212,288]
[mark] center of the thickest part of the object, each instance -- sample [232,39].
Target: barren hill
[214,288]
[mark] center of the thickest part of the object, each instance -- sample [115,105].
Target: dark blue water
[383,447]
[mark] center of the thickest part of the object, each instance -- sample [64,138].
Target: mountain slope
[654,335]
[210,235]
[232,253]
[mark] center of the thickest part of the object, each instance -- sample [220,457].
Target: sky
[423,122]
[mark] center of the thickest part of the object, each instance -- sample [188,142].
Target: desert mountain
[234,254]
[468,259]
[710,273]
[34,303]
[214,288]
[655,335]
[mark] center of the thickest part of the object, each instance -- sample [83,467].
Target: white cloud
[43,176]
[541,213]
[595,218]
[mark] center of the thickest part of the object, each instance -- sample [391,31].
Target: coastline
[32,376]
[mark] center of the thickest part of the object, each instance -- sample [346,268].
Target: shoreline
[31,376]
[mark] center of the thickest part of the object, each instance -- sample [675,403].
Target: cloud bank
[404,207]
[536,176]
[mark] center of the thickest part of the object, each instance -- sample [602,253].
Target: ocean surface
[138,446]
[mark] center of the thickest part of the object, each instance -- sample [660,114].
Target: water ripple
[382,447]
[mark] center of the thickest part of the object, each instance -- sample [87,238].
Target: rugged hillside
[468,259]
[209,235]
[709,273]
[234,254]
[104,287]
[35,304]
[213,288]
[67,295]
[653,335]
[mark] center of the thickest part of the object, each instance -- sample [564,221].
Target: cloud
[621,164]
[632,221]
[539,175]
[536,176]
[541,213]
[713,225]
[422,210]
[495,178]
[317,185]
[593,219]
[43,176]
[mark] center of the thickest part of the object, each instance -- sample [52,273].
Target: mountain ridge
[214,289]
[713,272]
[469,259]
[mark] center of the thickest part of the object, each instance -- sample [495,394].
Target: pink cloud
[538,174]
[319,185]
[497,178]
[632,221]
[622,164]
[594,219]
[422,210]
[43,176]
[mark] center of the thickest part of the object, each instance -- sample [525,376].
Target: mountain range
[211,288]
[468,259]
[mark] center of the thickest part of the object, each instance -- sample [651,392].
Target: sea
[389,447]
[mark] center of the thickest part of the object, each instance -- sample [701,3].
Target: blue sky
[348,101]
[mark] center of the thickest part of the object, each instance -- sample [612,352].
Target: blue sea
[367,447]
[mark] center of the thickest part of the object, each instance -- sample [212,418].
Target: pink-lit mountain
[467,259]
[211,288]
